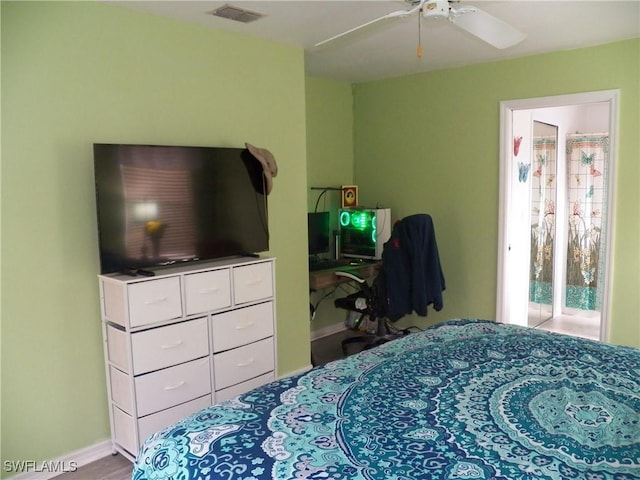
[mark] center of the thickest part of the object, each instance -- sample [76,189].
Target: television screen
[160,205]
[318,232]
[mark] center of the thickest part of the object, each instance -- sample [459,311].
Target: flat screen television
[318,232]
[161,205]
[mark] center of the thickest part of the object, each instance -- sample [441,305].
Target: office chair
[409,279]
[368,303]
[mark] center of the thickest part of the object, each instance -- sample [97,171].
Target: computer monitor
[318,232]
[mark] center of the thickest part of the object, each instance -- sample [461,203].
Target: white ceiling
[389,49]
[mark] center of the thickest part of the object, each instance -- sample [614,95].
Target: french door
[556,208]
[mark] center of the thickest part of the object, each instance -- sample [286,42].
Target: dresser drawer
[165,346]
[154,301]
[171,386]
[157,421]
[242,326]
[207,291]
[242,363]
[113,301]
[121,389]
[252,282]
[244,387]
[124,430]
[117,348]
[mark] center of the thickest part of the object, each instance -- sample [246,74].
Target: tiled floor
[580,323]
[579,326]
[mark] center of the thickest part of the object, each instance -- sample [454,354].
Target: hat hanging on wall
[268,162]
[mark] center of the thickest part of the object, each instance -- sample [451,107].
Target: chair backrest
[413,275]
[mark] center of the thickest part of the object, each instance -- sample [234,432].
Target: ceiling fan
[486,27]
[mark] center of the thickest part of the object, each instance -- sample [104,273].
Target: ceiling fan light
[435,10]
[477,22]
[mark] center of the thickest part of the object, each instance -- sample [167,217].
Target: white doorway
[556,212]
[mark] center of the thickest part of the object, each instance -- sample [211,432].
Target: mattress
[466,399]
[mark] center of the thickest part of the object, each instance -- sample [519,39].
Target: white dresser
[184,339]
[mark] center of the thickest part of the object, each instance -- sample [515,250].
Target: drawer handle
[173,387]
[155,300]
[171,345]
[247,363]
[245,326]
[254,281]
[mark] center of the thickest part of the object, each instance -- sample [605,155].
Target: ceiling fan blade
[388,16]
[487,27]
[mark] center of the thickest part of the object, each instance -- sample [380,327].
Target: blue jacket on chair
[411,265]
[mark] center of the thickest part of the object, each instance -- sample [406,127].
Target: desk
[321,279]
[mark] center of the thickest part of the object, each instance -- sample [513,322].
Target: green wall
[329,138]
[430,143]
[74,73]
[329,163]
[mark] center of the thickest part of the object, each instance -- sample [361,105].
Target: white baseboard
[326,331]
[68,463]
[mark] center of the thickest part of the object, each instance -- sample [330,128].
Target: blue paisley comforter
[467,399]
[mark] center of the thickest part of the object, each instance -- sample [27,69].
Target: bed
[466,399]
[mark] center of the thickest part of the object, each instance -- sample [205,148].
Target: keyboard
[324,263]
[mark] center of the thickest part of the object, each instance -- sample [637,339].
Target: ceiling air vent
[237,14]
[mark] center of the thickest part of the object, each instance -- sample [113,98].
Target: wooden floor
[327,349]
[113,467]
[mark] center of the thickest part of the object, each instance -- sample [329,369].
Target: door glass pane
[543,225]
[587,162]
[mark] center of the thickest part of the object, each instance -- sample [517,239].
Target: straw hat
[268,162]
